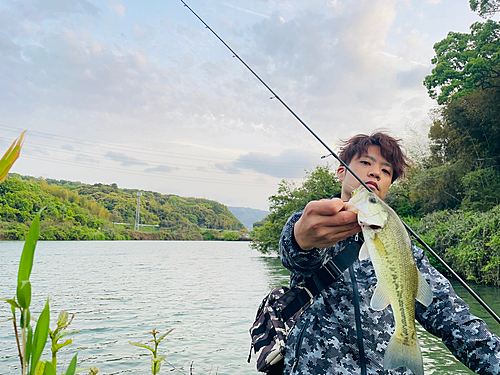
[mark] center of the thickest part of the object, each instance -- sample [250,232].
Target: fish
[399,282]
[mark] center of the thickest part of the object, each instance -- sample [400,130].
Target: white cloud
[123,159]
[158,79]
[118,8]
[288,164]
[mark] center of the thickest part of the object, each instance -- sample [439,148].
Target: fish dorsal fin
[363,252]
[424,295]
[379,301]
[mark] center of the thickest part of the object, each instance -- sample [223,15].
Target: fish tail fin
[397,354]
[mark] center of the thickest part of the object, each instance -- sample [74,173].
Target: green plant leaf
[24,294]
[59,346]
[163,336]
[12,302]
[93,370]
[26,262]
[40,368]
[49,369]
[29,345]
[141,345]
[63,334]
[63,318]
[11,156]
[40,337]
[162,358]
[72,367]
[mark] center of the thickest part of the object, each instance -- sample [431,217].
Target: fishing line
[417,237]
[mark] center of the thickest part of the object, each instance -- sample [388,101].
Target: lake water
[208,292]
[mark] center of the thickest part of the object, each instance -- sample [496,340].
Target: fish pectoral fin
[424,295]
[363,252]
[379,301]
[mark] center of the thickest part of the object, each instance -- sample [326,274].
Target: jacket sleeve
[300,262]
[466,336]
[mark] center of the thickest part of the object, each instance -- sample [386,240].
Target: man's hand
[324,223]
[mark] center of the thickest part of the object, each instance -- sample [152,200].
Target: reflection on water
[207,291]
[490,295]
[276,273]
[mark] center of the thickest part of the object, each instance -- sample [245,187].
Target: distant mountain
[248,216]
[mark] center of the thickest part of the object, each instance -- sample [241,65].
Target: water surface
[207,291]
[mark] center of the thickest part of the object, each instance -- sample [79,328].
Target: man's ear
[341,173]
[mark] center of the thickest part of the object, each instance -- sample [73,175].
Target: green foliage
[467,241]
[155,360]
[40,337]
[468,128]
[11,156]
[463,167]
[230,236]
[319,183]
[59,333]
[481,189]
[466,62]
[77,212]
[485,8]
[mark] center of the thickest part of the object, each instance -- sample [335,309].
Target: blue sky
[142,95]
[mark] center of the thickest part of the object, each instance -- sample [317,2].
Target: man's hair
[390,149]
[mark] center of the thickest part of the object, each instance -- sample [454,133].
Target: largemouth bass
[399,283]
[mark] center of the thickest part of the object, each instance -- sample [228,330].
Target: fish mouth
[375,227]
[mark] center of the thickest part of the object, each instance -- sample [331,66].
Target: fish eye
[372,200]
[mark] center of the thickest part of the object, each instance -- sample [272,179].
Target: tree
[466,62]
[469,129]
[319,183]
[485,8]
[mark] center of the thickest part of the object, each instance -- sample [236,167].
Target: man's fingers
[343,218]
[324,207]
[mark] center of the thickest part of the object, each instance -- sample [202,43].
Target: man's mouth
[372,185]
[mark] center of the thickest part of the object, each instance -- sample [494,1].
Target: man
[340,333]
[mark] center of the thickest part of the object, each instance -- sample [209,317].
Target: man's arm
[448,317]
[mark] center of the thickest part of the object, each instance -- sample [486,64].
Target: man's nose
[375,173]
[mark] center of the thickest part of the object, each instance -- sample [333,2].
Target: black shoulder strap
[327,274]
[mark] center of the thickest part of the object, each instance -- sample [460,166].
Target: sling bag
[282,307]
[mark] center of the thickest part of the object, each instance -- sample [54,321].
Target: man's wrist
[296,244]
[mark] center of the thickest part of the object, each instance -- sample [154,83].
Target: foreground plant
[11,156]
[30,345]
[59,333]
[155,361]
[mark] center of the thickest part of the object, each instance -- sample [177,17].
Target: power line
[125,171]
[127,148]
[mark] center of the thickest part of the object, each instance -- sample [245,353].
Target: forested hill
[76,211]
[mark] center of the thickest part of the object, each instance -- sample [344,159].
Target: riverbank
[60,231]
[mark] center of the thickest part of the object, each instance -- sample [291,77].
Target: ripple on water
[207,291]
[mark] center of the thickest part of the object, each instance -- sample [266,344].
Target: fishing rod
[412,232]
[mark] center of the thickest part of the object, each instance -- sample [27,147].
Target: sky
[143,95]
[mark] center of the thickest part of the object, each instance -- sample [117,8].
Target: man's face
[372,168]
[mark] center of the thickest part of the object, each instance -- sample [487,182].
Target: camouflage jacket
[324,340]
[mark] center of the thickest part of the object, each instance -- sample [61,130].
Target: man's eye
[386,172]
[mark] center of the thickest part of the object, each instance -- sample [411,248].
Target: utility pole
[137,215]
